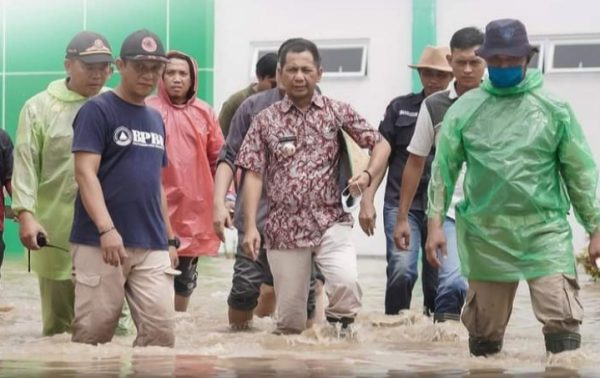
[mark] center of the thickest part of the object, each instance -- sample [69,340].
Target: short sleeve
[89,129]
[386,126]
[424,136]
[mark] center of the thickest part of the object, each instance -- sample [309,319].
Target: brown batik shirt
[299,153]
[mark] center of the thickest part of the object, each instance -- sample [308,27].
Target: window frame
[552,43]
[258,47]
[541,44]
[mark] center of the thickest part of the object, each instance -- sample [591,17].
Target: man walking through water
[527,161]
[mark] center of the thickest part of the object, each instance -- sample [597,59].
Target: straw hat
[434,58]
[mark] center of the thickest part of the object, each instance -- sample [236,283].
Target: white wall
[542,18]
[387,26]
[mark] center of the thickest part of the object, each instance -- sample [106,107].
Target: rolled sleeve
[423,138]
[252,155]
[365,135]
[240,123]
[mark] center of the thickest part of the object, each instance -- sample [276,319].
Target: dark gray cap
[89,47]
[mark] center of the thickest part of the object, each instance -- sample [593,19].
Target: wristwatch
[175,242]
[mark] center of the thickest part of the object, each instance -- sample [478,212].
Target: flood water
[384,346]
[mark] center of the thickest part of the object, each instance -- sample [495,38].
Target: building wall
[35,33]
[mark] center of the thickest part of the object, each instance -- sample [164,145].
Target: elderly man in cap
[43,181]
[527,162]
[123,246]
[397,129]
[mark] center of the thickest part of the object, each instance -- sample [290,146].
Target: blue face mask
[505,77]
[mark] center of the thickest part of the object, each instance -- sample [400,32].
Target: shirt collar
[452,88]
[317,100]
[418,98]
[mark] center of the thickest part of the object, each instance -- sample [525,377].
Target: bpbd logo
[123,136]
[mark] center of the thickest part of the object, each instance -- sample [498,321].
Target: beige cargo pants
[145,279]
[554,299]
[291,268]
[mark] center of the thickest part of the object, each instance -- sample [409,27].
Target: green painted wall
[34,34]
[424,33]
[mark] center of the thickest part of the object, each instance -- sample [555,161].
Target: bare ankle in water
[239,320]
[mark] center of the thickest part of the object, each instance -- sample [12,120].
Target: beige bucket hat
[434,58]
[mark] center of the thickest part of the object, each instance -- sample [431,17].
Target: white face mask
[349,203]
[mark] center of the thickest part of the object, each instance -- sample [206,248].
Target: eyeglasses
[142,68]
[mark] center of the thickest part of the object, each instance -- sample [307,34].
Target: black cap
[89,47]
[505,37]
[143,45]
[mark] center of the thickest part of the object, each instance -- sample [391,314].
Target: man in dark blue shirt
[121,230]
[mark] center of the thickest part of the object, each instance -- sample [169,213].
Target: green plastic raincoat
[527,161]
[43,177]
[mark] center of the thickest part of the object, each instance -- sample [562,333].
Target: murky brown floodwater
[404,345]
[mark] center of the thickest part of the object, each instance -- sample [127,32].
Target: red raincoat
[193,142]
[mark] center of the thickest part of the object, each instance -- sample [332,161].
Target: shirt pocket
[405,128]
[282,147]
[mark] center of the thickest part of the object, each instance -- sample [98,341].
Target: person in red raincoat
[193,142]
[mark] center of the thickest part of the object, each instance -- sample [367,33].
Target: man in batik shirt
[295,142]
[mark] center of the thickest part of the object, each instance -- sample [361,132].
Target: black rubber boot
[560,342]
[442,317]
[482,347]
[345,321]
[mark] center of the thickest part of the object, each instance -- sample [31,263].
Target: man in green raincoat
[43,178]
[527,162]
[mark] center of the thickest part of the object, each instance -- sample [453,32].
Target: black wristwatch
[175,242]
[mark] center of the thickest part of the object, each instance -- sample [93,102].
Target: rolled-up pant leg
[248,275]
[555,302]
[486,313]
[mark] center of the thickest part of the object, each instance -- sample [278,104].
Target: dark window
[342,59]
[577,55]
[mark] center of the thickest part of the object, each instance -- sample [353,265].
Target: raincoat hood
[191,95]
[61,92]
